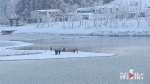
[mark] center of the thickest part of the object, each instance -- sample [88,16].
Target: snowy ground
[8,54]
[48,55]
[129,27]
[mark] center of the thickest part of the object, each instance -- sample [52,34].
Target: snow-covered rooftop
[49,10]
[85,9]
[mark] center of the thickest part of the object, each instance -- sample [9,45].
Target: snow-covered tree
[3,15]
[11,9]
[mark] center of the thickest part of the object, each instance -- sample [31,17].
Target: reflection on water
[94,43]
[5,44]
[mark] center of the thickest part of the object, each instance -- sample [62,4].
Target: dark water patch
[93,43]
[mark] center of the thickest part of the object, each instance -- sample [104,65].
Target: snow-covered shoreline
[51,55]
[131,29]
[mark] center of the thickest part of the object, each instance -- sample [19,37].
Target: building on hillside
[45,15]
[87,16]
[70,17]
[111,11]
[85,13]
[135,11]
[90,13]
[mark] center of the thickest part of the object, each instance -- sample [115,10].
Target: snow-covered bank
[49,54]
[130,27]
[8,54]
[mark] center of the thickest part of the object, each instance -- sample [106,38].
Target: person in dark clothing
[56,52]
[77,50]
[51,49]
[64,49]
[59,51]
[74,50]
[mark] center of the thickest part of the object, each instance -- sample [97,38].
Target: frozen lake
[94,70]
[133,53]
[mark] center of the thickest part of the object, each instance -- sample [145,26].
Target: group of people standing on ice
[58,51]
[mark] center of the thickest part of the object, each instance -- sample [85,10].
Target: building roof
[49,10]
[85,9]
